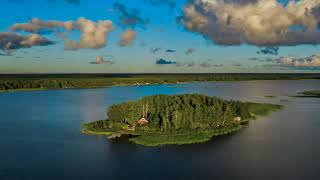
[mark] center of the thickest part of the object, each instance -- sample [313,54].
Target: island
[176,119]
[314,94]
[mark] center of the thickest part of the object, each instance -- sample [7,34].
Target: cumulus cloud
[162,61]
[190,51]
[129,17]
[127,37]
[255,22]
[37,25]
[10,41]
[101,60]
[311,61]
[93,34]
[272,50]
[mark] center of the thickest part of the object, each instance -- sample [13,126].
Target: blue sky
[163,30]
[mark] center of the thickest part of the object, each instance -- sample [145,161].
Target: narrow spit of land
[312,94]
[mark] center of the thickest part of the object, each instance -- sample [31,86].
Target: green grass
[263,109]
[173,138]
[87,129]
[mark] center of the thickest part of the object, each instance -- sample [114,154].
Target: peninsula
[314,94]
[177,119]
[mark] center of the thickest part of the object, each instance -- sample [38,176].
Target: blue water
[40,136]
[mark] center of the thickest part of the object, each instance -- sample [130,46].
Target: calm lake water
[40,136]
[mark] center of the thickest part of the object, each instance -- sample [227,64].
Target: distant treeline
[57,81]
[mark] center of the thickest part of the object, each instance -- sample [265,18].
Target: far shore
[18,83]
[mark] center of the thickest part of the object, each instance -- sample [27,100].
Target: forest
[63,81]
[177,119]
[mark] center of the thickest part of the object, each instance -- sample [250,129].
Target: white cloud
[127,37]
[93,34]
[312,61]
[256,22]
[9,41]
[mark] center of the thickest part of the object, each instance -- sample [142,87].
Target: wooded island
[178,119]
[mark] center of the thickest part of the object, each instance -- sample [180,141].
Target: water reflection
[40,138]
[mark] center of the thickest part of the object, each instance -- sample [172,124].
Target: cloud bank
[10,41]
[255,22]
[93,34]
[37,26]
[311,61]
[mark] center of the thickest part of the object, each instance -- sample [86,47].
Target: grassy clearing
[87,129]
[194,137]
[263,109]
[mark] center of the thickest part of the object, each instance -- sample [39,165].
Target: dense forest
[58,81]
[179,114]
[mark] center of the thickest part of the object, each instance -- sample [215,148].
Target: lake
[40,136]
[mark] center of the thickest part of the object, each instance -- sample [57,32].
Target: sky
[159,36]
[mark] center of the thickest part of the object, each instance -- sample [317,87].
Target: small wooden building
[131,128]
[237,120]
[143,122]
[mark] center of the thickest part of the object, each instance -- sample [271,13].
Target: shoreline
[139,138]
[177,131]
[145,84]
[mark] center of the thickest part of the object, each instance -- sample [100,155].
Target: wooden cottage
[143,122]
[131,128]
[237,120]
